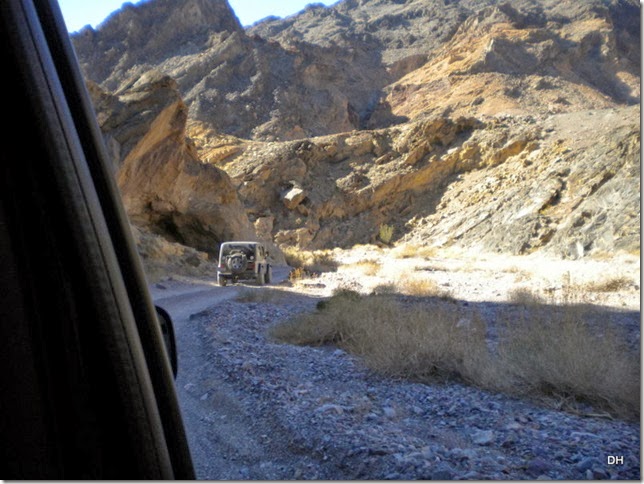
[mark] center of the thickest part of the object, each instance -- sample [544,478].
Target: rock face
[564,183]
[373,63]
[503,126]
[238,84]
[516,58]
[165,187]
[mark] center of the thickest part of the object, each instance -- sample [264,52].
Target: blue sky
[79,13]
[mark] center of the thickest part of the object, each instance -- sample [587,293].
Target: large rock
[165,186]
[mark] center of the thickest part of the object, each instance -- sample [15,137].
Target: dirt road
[225,441]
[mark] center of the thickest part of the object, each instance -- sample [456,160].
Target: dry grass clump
[542,349]
[614,284]
[416,286]
[557,352]
[409,251]
[298,274]
[394,338]
[525,297]
[311,261]
[386,288]
[369,267]
[422,287]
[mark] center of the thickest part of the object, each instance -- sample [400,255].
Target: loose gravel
[327,417]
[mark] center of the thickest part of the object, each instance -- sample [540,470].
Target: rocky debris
[161,257]
[165,187]
[354,424]
[512,184]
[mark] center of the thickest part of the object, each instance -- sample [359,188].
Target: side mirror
[167,331]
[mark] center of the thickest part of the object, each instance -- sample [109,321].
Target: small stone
[293,197]
[599,474]
[389,412]
[585,464]
[538,466]
[330,407]
[443,473]
[483,437]
[469,454]
[582,435]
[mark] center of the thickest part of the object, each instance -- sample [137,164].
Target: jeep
[243,261]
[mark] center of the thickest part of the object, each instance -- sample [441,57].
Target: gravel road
[256,409]
[223,437]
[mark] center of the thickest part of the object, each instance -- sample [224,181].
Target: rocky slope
[371,63]
[566,183]
[236,83]
[515,59]
[509,127]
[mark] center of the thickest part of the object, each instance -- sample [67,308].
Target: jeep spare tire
[236,263]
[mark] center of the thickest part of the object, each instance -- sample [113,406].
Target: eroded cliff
[502,126]
[165,187]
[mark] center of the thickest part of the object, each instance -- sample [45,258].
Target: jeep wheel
[221,280]
[260,278]
[269,275]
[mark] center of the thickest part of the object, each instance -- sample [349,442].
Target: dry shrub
[311,329]
[542,349]
[369,267]
[416,286]
[559,353]
[423,287]
[297,274]
[409,251]
[386,288]
[525,297]
[310,261]
[386,233]
[615,284]
[393,338]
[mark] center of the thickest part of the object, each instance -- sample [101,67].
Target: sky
[78,13]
